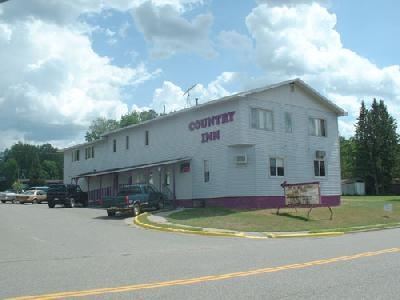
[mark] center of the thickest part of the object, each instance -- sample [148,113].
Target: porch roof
[135,167]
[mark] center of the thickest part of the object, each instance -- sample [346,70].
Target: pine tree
[376,147]
[361,145]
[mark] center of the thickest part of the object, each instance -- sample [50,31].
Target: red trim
[252,202]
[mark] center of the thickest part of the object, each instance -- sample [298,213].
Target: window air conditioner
[320,154]
[241,159]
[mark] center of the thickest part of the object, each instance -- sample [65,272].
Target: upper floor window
[276,167]
[75,155]
[288,122]
[89,152]
[261,119]
[114,145]
[146,138]
[317,127]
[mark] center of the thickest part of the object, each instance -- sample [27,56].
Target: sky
[65,63]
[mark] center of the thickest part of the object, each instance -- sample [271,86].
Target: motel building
[232,152]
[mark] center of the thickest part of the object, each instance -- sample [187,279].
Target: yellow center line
[135,287]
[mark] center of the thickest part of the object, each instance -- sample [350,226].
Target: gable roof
[297,82]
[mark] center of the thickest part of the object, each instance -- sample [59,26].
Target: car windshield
[9,191]
[130,191]
[30,192]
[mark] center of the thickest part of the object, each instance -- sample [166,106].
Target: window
[75,155]
[288,122]
[206,171]
[167,178]
[114,145]
[317,127]
[261,119]
[276,167]
[146,138]
[319,168]
[89,152]
[127,142]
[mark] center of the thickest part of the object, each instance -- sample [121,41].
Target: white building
[233,152]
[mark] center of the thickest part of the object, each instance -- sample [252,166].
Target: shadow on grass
[205,212]
[293,216]
[394,200]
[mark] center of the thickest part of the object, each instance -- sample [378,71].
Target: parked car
[31,196]
[8,195]
[42,188]
[134,198]
[67,195]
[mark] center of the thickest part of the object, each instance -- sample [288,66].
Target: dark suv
[67,195]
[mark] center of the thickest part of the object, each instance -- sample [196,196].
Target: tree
[9,170]
[136,117]
[18,186]
[130,119]
[50,169]
[23,154]
[148,115]
[347,157]
[103,125]
[376,147]
[36,174]
[99,127]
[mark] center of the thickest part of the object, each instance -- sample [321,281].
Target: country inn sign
[211,122]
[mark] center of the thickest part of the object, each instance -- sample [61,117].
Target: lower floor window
[319,168]
[206,171]
[276,167]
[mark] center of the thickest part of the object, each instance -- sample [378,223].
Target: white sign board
[388,207]
[302,194]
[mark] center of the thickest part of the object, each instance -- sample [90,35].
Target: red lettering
[225,118]
[211,121]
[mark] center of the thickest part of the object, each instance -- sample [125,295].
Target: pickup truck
[134,199]
[67,195]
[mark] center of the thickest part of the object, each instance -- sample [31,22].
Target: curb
[181,230]
[306,234]
[138,222]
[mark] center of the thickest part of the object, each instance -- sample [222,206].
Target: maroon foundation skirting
[251,202]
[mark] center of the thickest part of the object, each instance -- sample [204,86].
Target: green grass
[355,213]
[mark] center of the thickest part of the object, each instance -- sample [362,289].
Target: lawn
[355,212]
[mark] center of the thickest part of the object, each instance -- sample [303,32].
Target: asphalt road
[65,253]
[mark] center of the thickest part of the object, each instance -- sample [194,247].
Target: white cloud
[169,33]
[236,42]
[59,12]
[173,98]
[54,84]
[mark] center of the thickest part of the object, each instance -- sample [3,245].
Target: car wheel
[21,202]
[136,209]
[160,204]
[4,201]
[110,213]
[71,202]
[51,204]
[34,201]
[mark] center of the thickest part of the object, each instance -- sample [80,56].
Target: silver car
[8,195]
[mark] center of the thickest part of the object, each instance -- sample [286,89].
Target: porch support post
[174,185]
